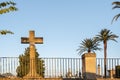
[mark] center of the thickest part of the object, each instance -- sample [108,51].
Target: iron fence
[54,67]
[111,64]
[58,67]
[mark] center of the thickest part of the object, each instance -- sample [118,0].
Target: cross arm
[24,40]
[39,40]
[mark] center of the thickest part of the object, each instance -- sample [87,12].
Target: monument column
[32,40]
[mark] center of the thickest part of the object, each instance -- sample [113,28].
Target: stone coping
[89,55]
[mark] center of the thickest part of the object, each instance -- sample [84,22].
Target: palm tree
[6,7]
[104,36]
[117,5]
[89,45]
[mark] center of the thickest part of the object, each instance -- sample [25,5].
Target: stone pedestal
[89,66]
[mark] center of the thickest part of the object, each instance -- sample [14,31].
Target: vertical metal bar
[6,65]
[102,67]
[47,66]
[64,62]
[109,63]
[58,72]
[0,66]
[65,67]
[61,67]
[55,67]
[74,66]
[11,64]
[117,61]
[79,66]
[106,65]
[112,63]
[50,67]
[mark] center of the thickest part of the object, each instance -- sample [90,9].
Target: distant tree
[117,5]
[24,61]
[104,36]
[88,45]
[6,7]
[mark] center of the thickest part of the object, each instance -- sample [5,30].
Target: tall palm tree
[104,36]
[89,45]
[117,5]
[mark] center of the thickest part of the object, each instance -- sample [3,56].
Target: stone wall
[108,79]
[55,79]
[31,79]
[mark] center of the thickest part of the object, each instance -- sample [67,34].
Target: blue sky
[62,23]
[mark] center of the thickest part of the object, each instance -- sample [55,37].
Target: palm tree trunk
[105,56]
[89,50]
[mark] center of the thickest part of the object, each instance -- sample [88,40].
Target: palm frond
[4,32]
[116,7]
[88,45]
[115,18]
[112,37]
[6,10]
[105,35]
[116,3]
[4,4]
[6,7]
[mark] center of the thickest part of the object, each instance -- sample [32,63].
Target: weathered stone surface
[89,66]
[32,40]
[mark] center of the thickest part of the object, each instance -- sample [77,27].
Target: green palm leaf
[4,32]
[88,45]
[105,35]
[6,7]
[117,5]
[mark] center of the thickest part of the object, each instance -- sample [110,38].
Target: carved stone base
[33,76]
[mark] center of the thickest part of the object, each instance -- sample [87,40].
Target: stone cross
[32,40]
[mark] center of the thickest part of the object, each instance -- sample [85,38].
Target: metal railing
[58,67]
[54,67]
[111,64]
